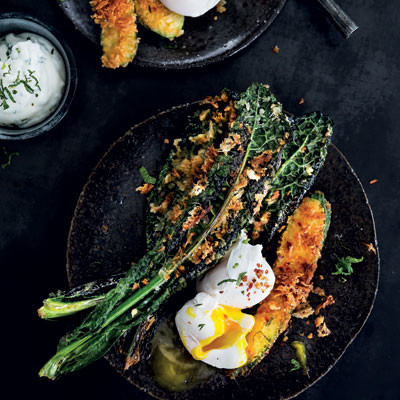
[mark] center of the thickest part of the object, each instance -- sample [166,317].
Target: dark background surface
[356,82]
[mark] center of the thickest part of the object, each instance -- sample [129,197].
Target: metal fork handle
[345,24]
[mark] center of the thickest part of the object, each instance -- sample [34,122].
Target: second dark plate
[205,40]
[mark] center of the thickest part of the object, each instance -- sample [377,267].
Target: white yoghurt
[32,79]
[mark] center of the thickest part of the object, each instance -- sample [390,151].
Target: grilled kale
[302,159]
[242,167]
[220,178]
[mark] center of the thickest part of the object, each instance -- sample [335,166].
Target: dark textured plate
[205,40]
[107,233]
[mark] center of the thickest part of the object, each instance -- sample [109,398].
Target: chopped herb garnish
[235,265]
[242,292]
[8,72]
[198,305]
[24,82]
[344,265]
[226,280]
[295,365]
[201,326]
[240,277]
[7,163]
[146,176]
[34,78]
[246,241]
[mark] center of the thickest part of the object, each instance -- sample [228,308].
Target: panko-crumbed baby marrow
[119,40]
[155,16]
[297,256]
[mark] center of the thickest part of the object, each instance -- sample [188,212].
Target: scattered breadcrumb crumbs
[310,336]
[221,6]
[370,247]
[285,339]
[321,277]
[166,141]
[323,330]
[216,18]
[318,321]
[307,322]
[281,228]
[135,287]
[373,181]
[276,49]
[318,291]
[145,189]
[145,281]
[301,101]
[327,302]
[301,334]
[303,310]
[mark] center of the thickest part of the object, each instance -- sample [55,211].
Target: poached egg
[190,8]
[212,326]
[242,279]
[214,333]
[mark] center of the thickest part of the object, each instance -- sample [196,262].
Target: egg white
[242,279]
[204,328]
[190,8]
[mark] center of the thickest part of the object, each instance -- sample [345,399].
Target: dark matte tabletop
[355,81]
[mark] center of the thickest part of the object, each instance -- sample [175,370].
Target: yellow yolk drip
[191,312]
[228,333]
[232,334]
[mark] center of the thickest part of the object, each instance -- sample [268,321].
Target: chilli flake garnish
[201,326]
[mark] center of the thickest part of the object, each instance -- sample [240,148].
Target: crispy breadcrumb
[370,247]
[117,20]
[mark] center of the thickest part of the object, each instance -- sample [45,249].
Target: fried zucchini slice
[297,256]
[119,40]
[155,16]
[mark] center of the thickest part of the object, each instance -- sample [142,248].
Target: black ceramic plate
[205,40]
[107,233]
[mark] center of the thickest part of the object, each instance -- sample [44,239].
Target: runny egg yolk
[228,333]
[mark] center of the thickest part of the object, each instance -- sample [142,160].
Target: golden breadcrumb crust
[117,20]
